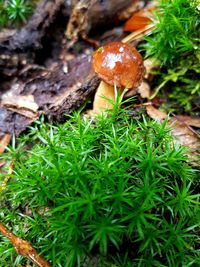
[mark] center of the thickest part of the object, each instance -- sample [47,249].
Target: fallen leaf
[5,140]
[150,64]
[183,134]
[144,90]
[155,113]
[189,120]
[141,18]
[138,21]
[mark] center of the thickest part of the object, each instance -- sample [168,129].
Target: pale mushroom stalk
[103,93]
[105,97]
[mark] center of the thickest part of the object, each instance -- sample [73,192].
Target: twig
[142,105]
[138,34]
[24,248]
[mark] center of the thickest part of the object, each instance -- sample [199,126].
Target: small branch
[138,34]
[24,248]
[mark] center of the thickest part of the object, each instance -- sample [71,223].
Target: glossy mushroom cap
[120,64]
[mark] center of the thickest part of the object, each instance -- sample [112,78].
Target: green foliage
[177,31]
[14,11]
[3,15]
[182,85]
[17,10]
[100,188]
[175,42]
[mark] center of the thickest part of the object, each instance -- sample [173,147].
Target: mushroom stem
[103,98]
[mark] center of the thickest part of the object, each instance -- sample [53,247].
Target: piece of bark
[58,92]
[106,12]
[53,92]
[88,15]
[12,122]
[29,37]
[18,48]
[24,105]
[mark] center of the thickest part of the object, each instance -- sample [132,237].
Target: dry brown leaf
[139,19]
[182,133]
[185,136]
[189,120]
[155,113]
[5,140]
[150,64]
[144,90]
[2,164]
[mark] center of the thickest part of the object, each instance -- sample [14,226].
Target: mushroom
[118,65]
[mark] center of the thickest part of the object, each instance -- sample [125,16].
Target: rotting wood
[29,37]
[17,48]
[55,91]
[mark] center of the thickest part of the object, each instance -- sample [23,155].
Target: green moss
[118,189]
[14,12]
[177,31]
[180,86]
[175,43]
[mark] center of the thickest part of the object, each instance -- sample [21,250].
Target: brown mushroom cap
[120,64]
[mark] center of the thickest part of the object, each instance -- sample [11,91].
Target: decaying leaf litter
[62,79]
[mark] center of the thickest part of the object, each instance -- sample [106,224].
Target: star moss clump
[175,43]
[177,32]
[114,192]
[15,12]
